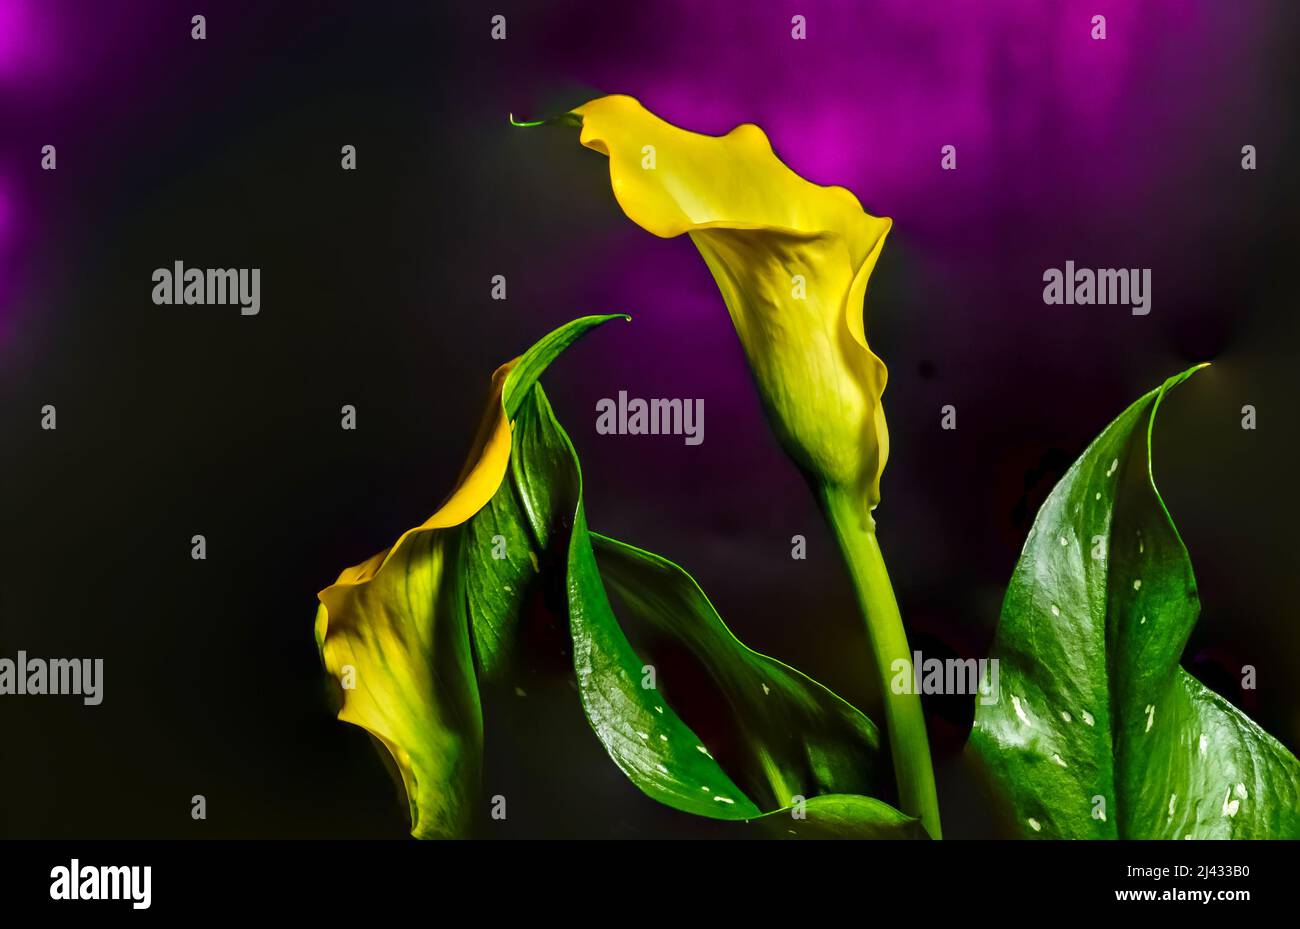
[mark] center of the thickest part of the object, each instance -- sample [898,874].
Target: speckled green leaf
[1097,731]
[788,735]
[798,738]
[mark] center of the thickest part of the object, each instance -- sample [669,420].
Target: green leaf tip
[1159,396]
[539,357]
[1178,378]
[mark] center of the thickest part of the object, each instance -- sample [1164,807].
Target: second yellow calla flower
[392,630]
[792,259]
[395,630]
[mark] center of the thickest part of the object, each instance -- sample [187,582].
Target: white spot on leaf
[1020,711]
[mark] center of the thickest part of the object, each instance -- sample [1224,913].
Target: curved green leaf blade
[845,816]
[545,350]
[1097,731]
[642,730]
[500,568]
[501,563]
[638,727]
[792,737]
[642,733]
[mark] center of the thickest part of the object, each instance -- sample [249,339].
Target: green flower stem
[855,530]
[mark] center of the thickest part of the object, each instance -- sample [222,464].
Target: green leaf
[502,566]
[539,357]
[640,730]
[1097,731]
[795,739]
[789,735]
[845,816]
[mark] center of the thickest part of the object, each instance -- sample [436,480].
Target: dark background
[375,292]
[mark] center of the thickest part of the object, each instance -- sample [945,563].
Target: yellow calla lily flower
[392,630]
[395,631]
[792,260]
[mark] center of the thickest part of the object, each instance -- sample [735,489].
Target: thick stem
[905,722]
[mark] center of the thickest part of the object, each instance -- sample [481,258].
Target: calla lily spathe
[393,631]
[396,631]
[792,259]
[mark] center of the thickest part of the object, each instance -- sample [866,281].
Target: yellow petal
[394,628]
[792,260]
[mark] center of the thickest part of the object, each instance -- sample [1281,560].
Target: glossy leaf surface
[1097,731]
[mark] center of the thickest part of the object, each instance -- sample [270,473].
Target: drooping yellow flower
[395,631]
[392,631]
[792,259]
